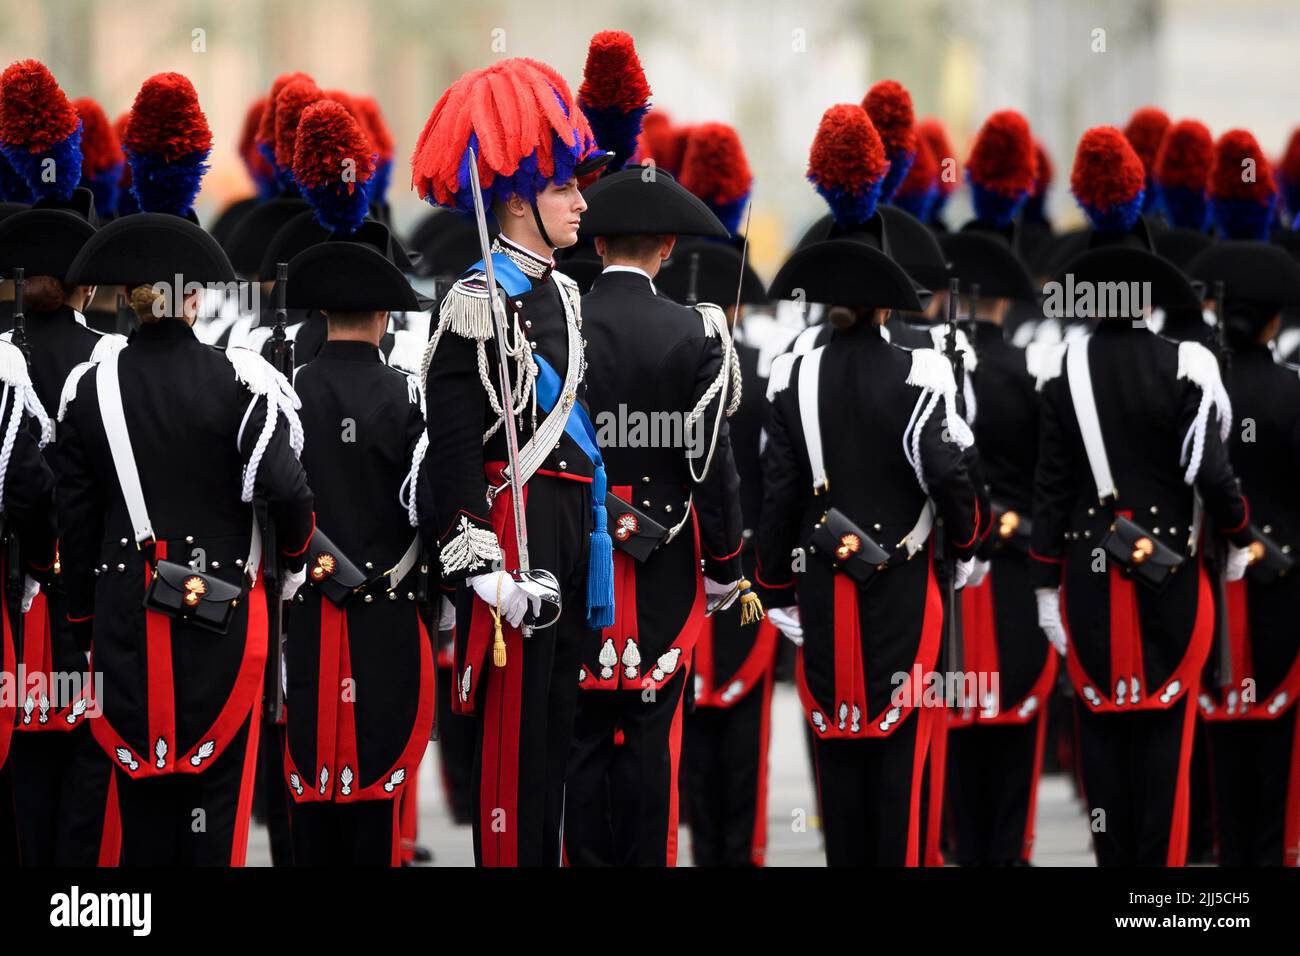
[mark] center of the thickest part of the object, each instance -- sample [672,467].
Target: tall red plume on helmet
[920,188]
[890,107]
[715,168]
[1108,179]
[523,123]
[38,123]
[614,94]
[1289,175]
[372,122]
[1034,209]
[265,137]
[1144,131]
[167,143]
[101,155]
[1182,174]
[333,164]
[259,170]
[847,163]
[1243,193]
[296,96]
[1002,167]
[126,203]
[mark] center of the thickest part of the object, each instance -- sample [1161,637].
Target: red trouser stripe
[158,657]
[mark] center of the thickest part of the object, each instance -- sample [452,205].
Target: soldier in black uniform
[523,689]
[164,448]
[1249,706]
[1132,433]
[673,503]
[727,731]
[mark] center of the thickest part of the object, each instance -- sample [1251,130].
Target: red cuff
[79,620]
[1245,520]
[726,557]
[1044,558]
[758,576]
[974,535]
[449,532]
[299,552]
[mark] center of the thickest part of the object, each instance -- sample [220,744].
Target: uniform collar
[986,331]
[530,263]
[345,350]
[635,270]
[163,330]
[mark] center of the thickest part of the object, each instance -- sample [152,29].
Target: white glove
[787,622]
[977,574]
[30,588]
[291,583]
[714,590]
[1238,558]
[961,573]
[446,615]
[1049,617]
[514,600]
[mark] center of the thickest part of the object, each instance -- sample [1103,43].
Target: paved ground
[1062,838]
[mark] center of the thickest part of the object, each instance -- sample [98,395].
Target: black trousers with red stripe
[870,797]
[1135,769]
[362,833]
[1251,767]
[724,779]
[184,819]
[455,752]
[989,792]
[61,784]
[620,806]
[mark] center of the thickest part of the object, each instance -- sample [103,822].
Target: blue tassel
[600,560]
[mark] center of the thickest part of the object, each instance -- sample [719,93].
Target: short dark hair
[631,247]
[350,320]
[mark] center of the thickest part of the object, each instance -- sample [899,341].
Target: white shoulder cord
[261,379]
[727,373]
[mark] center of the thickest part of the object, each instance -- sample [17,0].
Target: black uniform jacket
[173,694]
[360,677]
[856,641]
[1130,646]
[1000,617]
[650,361]
[1263,612]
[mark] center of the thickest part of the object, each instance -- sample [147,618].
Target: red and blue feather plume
[333,165]
[614,95]
[933,133]
[661,142]
[1288,176]
[38,125]
[847,164]
[890,107]
[259,170]
[522,122]
[1182,174]
[1035,207]
[920,188]
[290,103]
[167,144]
[1108,180]
[265,137]
[101,155]
[1144,132]
[1002,168]
[715,168]
[381,140]
[1243,194]
[126,203]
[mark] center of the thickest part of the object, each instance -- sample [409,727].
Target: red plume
[1186,156]
[166,120]
[1002,158]
[932,131]
[372,121]
[1229,177]
[613,77]
[328,136]
[1145,129]
[714,166]
[1107,172]
[847,154]
[119,130]
[1290,162]
[34,112]
[659,141]
[1043,179]
[295,97]
[248,132]
[266,127]
[890,107]
[100,149]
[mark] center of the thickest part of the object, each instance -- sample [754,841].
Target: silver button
[876,526]
[123,542]
[519,304]
[189,539]
[645,479]
[1154,510]
[424,569]
[668,508]
[392,596]
[1087,534]
[370,565]
[563,465]
[533,346]
[410,595]
[96,572]
[1286,549]
[239,562]
[369,598]
[645,504]
[1091,512]
[121,567]
[216,565]
[1268,529]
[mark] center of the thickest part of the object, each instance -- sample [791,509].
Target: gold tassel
[498,638]
[751,608]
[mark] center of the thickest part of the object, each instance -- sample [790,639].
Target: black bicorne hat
[703,271]
[248,240]
[907,240]
[646,202]
[42,242]
[447,242]
[149,247]
[846,272]
[1170,288]
[1181,246]
[230,218]
[976,256]
[352,274]
[303,231]
[1258,273]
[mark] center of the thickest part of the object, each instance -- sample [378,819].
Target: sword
[1222,634]
[538,583]
[273,687]
[953,645]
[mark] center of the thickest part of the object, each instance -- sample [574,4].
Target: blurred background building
[770,67]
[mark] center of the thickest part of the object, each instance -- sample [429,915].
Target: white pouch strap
[809,377]
[1085,410]
[119,443]
[404,564]
[915,539]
